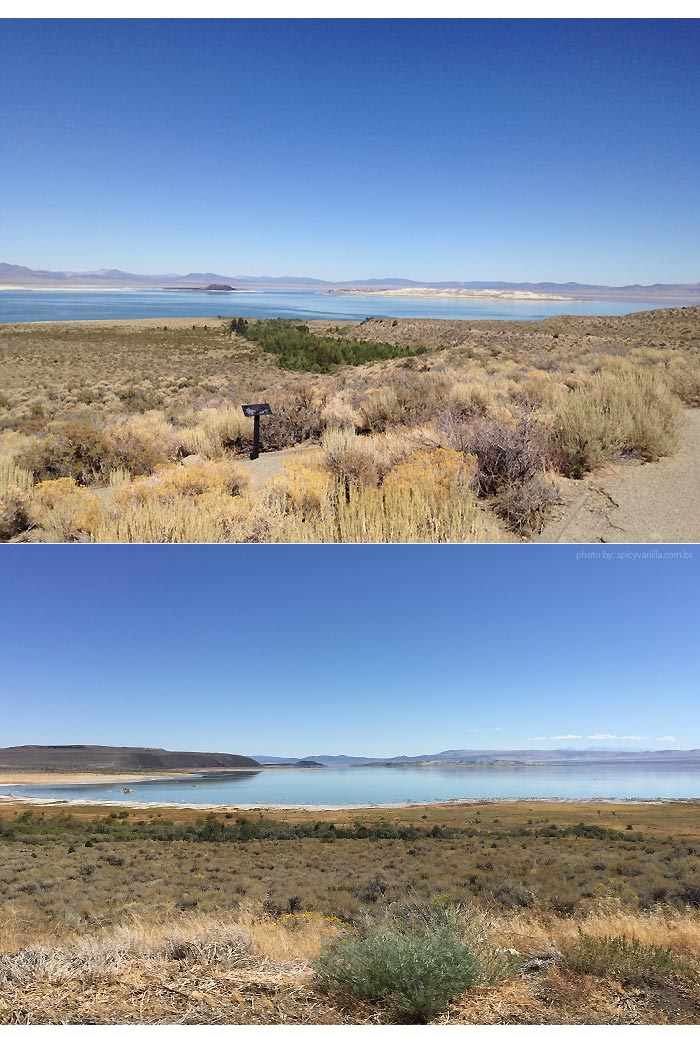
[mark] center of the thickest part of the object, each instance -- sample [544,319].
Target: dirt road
[636,503]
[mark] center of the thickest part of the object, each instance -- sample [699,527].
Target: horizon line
[307,756]
[104,272]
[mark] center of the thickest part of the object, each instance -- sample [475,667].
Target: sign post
[254,410]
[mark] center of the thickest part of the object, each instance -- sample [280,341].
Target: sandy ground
[138,323]
[118,288]
[60,288]
[92,778]
[636,503]
[31,778]
[268,465]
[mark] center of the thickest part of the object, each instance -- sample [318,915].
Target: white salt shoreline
[311,807]
[489,294]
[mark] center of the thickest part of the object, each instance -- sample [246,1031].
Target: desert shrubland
[547,912]
[621,409]
[117,406]
[16,485]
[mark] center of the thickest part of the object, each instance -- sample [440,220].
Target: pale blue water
[359,785]
[26,305]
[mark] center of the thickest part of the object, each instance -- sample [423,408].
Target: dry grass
[392,514]
[202,519]
[245,968]
[534,933]
[198,969]
[620,410]
[12,477]
[16,486]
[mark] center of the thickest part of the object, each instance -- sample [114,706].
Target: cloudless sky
[369,651]
[444,149]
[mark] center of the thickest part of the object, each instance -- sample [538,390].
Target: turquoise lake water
[19,306]
[359,785]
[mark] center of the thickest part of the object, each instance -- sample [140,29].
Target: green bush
[619,957]
[412,966]
[300,350]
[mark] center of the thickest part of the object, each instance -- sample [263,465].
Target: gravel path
[636,503]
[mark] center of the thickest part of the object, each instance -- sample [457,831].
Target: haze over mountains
[131,759]
[491,756]
[12,274]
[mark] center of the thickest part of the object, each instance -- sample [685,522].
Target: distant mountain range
[130,759]
[493,756]
[25,276]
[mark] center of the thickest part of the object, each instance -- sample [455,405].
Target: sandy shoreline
[100,778]
[331,807]
[137,322]
[119,288]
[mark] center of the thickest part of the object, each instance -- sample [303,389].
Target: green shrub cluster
[300,350]
[29,826]
[580,831]
[412,966]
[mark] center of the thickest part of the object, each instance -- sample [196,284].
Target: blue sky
[371,650]
[461,149]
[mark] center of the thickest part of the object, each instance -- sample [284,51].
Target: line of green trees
[297,348]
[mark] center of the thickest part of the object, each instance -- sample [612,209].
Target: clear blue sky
[516,150]
[370,650]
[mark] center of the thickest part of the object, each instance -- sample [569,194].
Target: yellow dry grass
[532,933]
[244,967]
[621,409]
[13,478]
[391,514]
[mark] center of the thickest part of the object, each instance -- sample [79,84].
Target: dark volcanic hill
[112,758]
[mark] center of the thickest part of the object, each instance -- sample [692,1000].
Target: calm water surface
[359,785]
[26,305]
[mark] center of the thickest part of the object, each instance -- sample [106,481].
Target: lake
[347,786]
[122,304]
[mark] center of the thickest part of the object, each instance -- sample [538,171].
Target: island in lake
[205,288]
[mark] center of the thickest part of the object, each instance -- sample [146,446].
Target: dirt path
[636,503]
[271,464]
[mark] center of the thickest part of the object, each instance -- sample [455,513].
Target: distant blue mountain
[457,756]
[23,275]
